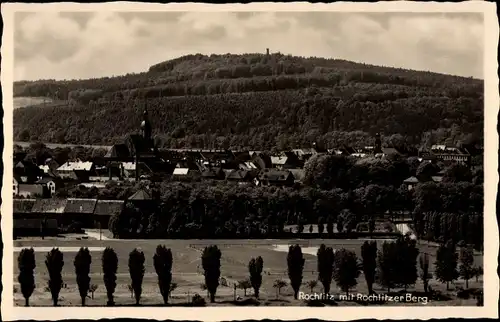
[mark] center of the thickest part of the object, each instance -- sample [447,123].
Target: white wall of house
[52,187]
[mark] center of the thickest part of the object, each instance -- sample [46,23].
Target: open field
[187,271]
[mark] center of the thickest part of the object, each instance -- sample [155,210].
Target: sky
[76,45]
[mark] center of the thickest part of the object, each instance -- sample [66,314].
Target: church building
[138,155]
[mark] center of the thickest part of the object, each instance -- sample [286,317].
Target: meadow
[188,273]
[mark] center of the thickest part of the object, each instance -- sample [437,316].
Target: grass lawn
[187,271]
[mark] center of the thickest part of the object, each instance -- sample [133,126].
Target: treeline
[40,153]
[440,227]
[259,120]
[392,88]
[393,266]
[200,67]
[214,210]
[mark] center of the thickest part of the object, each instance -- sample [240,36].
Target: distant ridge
[256,100]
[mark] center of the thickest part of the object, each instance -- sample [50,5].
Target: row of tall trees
[441,227]
[394,265]
[211,209]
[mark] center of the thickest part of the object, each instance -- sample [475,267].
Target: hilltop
[259,101]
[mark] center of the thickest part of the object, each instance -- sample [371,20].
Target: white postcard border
[491,286]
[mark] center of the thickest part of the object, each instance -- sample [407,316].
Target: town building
[273,177]
[104,210]
[242,176]
[79,210]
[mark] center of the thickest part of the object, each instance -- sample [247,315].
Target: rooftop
[77,165]
[80,206]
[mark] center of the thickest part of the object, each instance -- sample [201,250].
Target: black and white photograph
[180,157]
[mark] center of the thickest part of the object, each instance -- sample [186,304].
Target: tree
[26,278]
[278,285]
[426,170]
[446,263]
[295,261]
[457,173]
[386,265]
[210,260]
[371,225]
[340,224]
[425,275]
[397,263]
[82,262]
[244,285]
[109,268]
[466,269]
[346,269]
[369,257]
[312,285]
[163,266]
[55,262]
[329,225]
[136,269]
[325,267]
[406,261]
[255,267]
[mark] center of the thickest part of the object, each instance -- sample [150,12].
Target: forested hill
[257,101]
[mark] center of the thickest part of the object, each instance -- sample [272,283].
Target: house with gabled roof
[49,206]
[118,152]
[79,170]
[129,168]
[412,181]
[105,209]
[50,184]
[27,171]
[50,211]
[29,190]
[214,173]
[79,210]
[449,153]
[262,160]
[22,206]
[140,195]
[298,174]
[50,167]
[305,153]
[186,168]
[27,223]
[242,156]
[268,177]
[241,176]
[287,160]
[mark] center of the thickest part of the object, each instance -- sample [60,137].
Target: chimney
[267,52]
